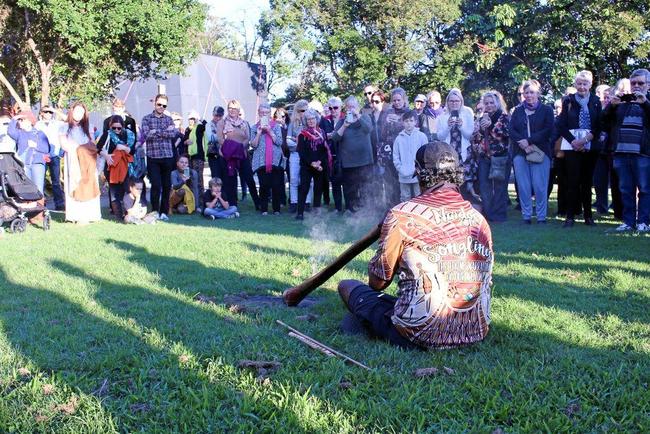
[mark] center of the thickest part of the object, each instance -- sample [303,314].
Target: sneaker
[276,212]
[642,227]
[163,217]
[212,217]
[623,228]
[293,207]
[236,214]
[231,216]
[265,213]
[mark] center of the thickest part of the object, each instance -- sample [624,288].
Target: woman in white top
[456,127]
[80,184]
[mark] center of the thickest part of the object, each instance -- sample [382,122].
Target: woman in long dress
[81,186]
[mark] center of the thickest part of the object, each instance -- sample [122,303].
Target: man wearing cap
[214,159]
[441,249]
[51,126]
[32,146]
[420,104]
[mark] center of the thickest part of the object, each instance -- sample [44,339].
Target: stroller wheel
[46,222]
[18,226]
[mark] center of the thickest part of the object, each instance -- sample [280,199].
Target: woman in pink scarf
[268,159]
[233,135]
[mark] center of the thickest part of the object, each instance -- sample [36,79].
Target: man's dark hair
[409,114]
[438,162]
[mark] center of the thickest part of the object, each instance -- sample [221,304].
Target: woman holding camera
[268,159]
[531,130]
[392,126]
[491,146]
[352,138]
[456,126]
[579,126]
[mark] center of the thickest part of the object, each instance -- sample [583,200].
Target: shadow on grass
[70,339]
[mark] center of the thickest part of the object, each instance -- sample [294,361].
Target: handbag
[498,168]
[537,156]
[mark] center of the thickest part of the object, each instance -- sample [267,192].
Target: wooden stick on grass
[313,343]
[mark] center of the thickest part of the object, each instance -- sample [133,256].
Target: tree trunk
[46,71]
[10,88]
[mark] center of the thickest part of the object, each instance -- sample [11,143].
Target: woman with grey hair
[531,130]
[268,160]
[579,126]
[352,138]
[491,147]
[391,128]
[315,160]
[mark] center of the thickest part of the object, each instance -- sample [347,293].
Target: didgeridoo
[293,296]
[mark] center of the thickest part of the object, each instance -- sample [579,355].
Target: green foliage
[87,46]
[470,44]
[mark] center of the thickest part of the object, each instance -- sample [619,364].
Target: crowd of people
[349,154]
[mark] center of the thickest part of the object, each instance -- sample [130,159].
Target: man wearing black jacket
[628,118]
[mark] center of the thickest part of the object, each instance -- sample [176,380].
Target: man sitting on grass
[441,249]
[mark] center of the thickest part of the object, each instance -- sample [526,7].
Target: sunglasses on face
[369,93]
[118,129]
[334,107]
[161,105]
[302,111]
[48,112]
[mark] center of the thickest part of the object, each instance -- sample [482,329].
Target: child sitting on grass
[135,205]
[215,206]
[406,145]
[185,188]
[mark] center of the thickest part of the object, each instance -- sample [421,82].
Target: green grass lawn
[100,332]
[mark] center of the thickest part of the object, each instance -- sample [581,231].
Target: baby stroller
[19,196]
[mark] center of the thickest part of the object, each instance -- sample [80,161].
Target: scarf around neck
[433,113]
[531,107]
[316,137]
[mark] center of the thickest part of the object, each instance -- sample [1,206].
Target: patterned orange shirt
[441,250]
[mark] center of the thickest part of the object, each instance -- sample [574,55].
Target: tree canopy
[340,45]
[64,48]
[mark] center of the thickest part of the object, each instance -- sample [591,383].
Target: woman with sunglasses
[327,124]
[117,146]
[295,128]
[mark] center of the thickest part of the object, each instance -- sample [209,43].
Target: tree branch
[10,88]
